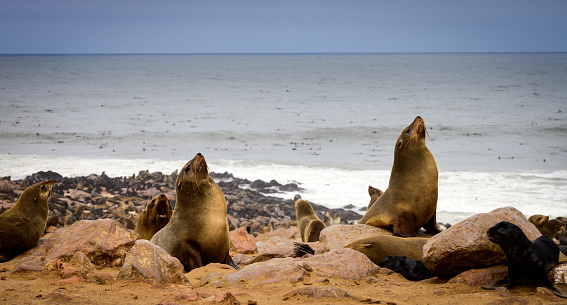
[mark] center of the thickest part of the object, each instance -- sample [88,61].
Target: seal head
[155,216]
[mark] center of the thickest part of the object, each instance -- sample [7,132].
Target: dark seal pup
[197,233]
[526,259]
[23,225]
[155,216]
[411,269]
[410,201]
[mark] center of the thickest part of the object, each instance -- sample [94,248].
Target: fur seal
[327,219]
[155,216]
[413,270]
[377,248]
[552,227]
[526,259]
[410,201]
[337,219]
[539,221]
[197,233]
[308,223]
[22,225]
[374,194]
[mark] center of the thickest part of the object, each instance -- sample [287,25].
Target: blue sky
[306,26]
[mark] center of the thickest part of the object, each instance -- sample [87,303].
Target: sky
[294,26]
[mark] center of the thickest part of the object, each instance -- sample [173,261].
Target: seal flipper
[189,254]
[405,226]
[302,249]
[431,226]
[229,261]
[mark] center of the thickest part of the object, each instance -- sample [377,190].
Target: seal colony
[197,233]
[410,201]
[22,225]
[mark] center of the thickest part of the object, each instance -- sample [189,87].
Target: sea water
[497,123]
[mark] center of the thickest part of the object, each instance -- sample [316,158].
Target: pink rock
[79,195]
[148,261]
[290,233]
[242,242]
[339,263]
[480,277]
[105,242]
[466,245]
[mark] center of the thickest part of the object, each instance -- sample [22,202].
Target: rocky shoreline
[251,204]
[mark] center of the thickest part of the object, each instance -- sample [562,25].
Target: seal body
[155,216]
[526,259]
[410,201]
[197,233]
[553,227]
[307,221]
[377,248]
[413,270]
[22,225]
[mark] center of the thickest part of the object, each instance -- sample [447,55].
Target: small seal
[22,225]
[327,219]
[410,201]
[374,194]
[539,221]
[307,221]
[526,259]
[377,248]
[553,227]
[155,216]
[197,233]
[411,269]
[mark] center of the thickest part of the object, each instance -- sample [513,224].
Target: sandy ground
[380,289]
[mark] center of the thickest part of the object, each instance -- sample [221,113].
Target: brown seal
[552,227]
[197,233]
[22,225]
[307,221]
[327,219]
[377,248]
[374,194]
[539,221]
[410,201]
[155,216]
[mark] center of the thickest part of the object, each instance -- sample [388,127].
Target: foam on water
[461,194]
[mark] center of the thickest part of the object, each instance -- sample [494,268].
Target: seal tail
[302,249]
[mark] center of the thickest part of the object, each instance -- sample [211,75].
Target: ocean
[497,123]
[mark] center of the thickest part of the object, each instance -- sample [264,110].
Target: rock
[105,242]
[338,263]
[480,277]
[80,195]
[466,245]
[242,242]
[148,261]
[78,266]
[559,273]
[223,298]
[290,233]
[319,293]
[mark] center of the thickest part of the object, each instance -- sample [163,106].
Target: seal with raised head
[197,233]
[526,259]
[22,225]
[308,223]
[410,201]
[553,227]
[155,216]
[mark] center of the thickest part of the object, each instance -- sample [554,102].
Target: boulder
[480,277]
[242,242]
[466,245]
[105,242]
[149,261]
[336,237]
[338,263]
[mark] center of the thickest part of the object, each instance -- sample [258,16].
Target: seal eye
[188,168]
[43,187]
[408,131]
